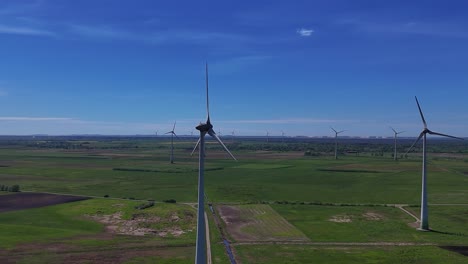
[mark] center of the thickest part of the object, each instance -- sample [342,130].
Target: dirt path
[377,244]
[400,206]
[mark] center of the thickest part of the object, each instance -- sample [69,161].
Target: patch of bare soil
[139,225]
[372,216]
[234,223]
[19,201]
[340,219]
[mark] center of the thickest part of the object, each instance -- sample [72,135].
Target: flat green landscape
[312,206]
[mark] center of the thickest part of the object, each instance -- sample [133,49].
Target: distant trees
[13,188]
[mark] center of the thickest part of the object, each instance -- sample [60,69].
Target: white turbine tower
[156,132]
[336,140]
[172,142]
[206,128]
[424,210]
[268,136]
[395,142]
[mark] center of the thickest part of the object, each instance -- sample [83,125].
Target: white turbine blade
[444,135]
[420,136]
[393,130]
[207,97]
[174,126]
[213,134]
[195,148]
[400,132]
[420,112]
[333,129]
[341,131]
[175,135]
[170,132]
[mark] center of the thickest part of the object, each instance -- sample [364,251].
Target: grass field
[283,190]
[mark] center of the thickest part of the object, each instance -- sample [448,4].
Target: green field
[281,195]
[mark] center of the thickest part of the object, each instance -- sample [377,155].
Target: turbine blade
[207,97]
[420,112]
[174,126]
[420,136]
[341,131]
[170,132]
[393,130]
[175,135]
[213,134]
[333,129]
[400,132]
[444,135]
[195,148]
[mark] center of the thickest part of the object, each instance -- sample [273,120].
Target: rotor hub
[204,127]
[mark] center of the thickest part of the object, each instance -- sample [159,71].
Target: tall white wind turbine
[336,140]
[172,132]
[424,210]
[395,143]
[206,128]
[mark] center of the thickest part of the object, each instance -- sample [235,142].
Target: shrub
[15,188]
[170,201]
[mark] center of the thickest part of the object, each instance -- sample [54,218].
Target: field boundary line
[377,244]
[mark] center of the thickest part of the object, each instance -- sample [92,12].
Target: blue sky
[133,67]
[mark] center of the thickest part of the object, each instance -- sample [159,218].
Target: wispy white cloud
[286,121]
[105,32]
[304,32]
[408,27]
[18,30]
[22,118]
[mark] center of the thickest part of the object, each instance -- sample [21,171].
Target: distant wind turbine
[206,128]
[156,132]
[424,210]
[172,132]
[395,142]
[268,136]
[336,140]
[282,135]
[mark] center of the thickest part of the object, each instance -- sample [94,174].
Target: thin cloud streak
[26,31]
[8,118]
[410,27]
[286,121]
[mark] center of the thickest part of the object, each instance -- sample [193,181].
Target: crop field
[258,223]
[274,202]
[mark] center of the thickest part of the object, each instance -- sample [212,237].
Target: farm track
[376,244]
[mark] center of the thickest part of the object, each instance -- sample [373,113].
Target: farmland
[292,193]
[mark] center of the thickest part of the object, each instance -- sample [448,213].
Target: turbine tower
[282,136]
[336,140]
[424,210]
[156,132]
[268,136]
[395,141]
[172,142]
[206,128]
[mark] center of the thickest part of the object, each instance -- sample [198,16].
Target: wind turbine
[172,141]
[268,136]
[424,210]
[156,132]
[395,148]
[232,133]
[282,135]
[206,128]
[336,140]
